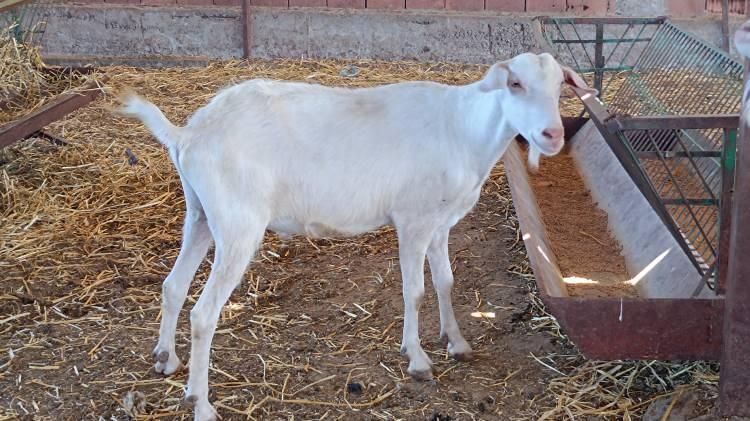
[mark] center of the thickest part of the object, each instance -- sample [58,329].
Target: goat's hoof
[168,368]
[463,356]
[189,402]
[461,351]
[161,357]
[166,363]
[202,409]
[421,375]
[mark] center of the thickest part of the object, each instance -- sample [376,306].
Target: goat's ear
[495,78]
[572,78]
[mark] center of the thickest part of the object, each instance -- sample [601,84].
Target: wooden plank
[56,109]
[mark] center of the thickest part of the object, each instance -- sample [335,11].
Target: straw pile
[25,82]
[90,230]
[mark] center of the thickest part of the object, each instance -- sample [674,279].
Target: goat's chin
[534,156]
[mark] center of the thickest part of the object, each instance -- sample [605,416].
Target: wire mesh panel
[25,21]
[679,75]
[688,179]
[600,48]
[684,168]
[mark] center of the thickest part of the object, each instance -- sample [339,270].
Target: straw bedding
[25,82]
[90,229]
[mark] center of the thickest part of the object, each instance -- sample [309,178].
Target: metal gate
[668,109]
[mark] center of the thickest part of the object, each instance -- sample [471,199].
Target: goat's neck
[482,126]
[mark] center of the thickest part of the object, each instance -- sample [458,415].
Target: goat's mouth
[548,147]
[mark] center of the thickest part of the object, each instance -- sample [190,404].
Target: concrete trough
[651,313]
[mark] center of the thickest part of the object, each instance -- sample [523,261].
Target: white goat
[742,43]
[302,159]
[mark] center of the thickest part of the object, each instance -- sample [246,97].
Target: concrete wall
[587,7]
[160,35]
[96,33]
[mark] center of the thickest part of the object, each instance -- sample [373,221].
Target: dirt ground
[90,229]
[333,319]
[315,326]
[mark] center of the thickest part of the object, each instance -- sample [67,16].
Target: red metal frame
[735,356]
[54,110]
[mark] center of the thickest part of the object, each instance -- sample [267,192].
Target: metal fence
[24,20]
[670,117]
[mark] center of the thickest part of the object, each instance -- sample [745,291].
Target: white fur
[303,159]
[742,43]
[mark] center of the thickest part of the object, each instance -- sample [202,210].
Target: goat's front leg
[233,253]
[412,247]
[195,242]
[442,279]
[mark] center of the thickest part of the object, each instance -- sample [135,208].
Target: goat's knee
[201,323]
[414,295]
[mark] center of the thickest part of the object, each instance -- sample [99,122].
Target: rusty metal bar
[599,62]
[735,355]
[691,201]
[725,26]
[246,29]
[699,121]
[642,329]
[54,139]
[603,40]
[54,110]
[677,154]
[725,209]
[606,21]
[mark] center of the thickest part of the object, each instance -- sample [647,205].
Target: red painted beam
[56,109]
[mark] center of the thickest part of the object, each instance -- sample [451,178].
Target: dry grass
[618,390]
[26,83]
[90,229]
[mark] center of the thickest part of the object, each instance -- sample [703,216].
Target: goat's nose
[553,133]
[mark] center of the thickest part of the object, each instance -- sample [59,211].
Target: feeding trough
[637,269]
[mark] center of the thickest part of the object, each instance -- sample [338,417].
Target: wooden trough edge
[54,110]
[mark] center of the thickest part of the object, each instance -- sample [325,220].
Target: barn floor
[312,332]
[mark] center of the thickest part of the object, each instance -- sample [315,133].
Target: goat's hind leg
[236,243]
[195,243]
[442,279]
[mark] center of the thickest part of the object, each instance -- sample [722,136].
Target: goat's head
[742,40]
[528,87]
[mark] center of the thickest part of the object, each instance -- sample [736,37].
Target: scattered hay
[90,229]
[26,83]
[615,390]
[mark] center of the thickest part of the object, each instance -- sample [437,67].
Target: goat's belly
[286,228]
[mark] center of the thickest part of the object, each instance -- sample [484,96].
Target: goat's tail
[163,130]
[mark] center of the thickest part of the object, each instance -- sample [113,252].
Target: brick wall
[735,6]
[587,7]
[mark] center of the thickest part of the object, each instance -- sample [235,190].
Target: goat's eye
[515,84]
